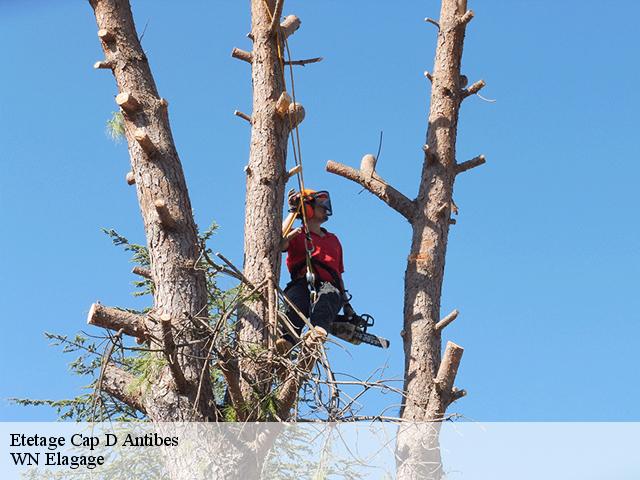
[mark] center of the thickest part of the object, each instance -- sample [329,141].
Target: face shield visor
[322,199]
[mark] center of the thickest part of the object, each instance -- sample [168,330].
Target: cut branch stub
[143,272]
[242,55]
[131,324]
[282,105]
[290,24]
[474,88]
[142,137]
[296,114]
[103,64]
[447,320]
[131,179]
[242,115]
[466,18]
[469,164]
[164,216]
[294,171]
[449,367]
[127,102]
[106,36]
[368,165]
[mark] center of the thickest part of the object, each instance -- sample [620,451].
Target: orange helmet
[311,199]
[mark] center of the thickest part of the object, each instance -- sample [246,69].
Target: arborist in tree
[315,262]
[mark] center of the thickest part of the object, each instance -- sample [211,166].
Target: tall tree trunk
[429,376]
[179,289]
[266,178]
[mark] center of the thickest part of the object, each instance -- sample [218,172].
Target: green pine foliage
[115,127]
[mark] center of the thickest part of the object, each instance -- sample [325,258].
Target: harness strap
[297,268]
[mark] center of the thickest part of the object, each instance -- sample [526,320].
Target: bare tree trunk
[180,290]
[266,178]
[428,377]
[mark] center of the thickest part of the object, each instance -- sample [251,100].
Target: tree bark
[171,233]
[428,383]
[266,178]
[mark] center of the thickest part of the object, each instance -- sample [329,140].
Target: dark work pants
[321,313]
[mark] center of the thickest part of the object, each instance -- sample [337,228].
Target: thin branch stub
[294,171]
[242,55]
[447,320]
[432,22]
[102,64]
[469,164]
[242,115]
[473,89]
[143,272]
[131,179]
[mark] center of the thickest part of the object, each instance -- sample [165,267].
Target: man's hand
[284,244]
[293,199]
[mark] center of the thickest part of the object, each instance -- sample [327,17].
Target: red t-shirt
[326,249]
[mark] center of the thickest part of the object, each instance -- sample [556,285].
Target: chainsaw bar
[371,339]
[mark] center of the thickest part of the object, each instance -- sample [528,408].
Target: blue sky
[544,259]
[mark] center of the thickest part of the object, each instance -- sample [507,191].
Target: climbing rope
[297,153]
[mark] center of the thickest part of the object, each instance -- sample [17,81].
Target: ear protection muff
[308,210]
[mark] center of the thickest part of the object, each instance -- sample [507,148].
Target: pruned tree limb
[289,25]
[143,272]
[242,115]
[121,385]
[242,55]
[128,102]
[473,88]
[456,394]
[132,324]
[447,320]
[377,186]
[448,368]
[466,18]
[469,164]
[131,178]
[104,64]
[432,22]
[294,171]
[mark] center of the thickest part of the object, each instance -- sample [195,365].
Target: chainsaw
[352,328]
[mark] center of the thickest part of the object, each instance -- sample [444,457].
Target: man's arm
[287,236]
